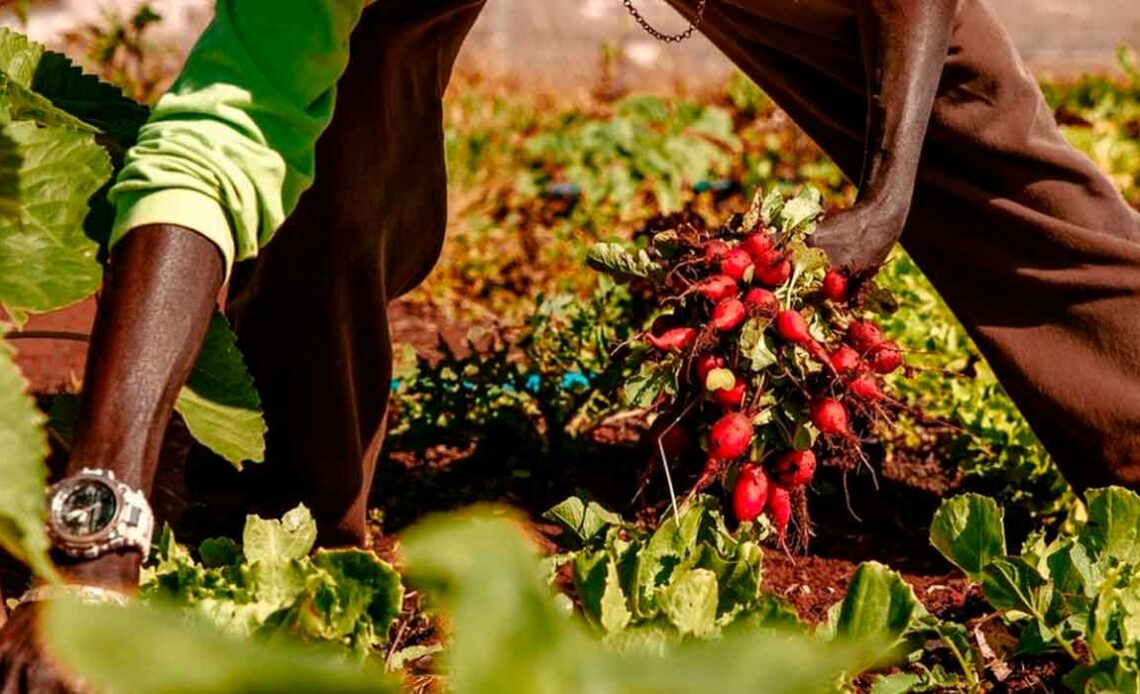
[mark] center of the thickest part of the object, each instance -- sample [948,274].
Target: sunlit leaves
[615,260]
[270,585]
[23,475]
[969,531]
[220,404]
[46,260]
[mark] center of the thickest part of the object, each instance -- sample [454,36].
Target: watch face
[85,508]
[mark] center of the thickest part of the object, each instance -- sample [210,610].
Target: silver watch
[92,513]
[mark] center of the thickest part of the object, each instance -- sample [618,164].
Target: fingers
[13,669]
[23,667]
[43,677]
[28,673]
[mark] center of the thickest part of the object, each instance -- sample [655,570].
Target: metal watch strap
[92,595]
[136,523]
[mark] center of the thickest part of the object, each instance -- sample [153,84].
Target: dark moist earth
[886,521]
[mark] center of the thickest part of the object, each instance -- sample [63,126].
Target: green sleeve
[230,148]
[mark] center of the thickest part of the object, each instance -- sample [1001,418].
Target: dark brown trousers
[1028,242]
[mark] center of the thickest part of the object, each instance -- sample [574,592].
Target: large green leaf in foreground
[153,651]
[220,404]
[23,445]
[46,260]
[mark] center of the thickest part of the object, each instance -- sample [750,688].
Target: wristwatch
[92,513]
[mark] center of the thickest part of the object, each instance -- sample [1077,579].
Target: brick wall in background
[561,42]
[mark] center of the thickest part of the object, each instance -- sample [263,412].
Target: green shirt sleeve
[230,148]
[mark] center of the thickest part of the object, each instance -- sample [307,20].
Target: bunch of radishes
[766,353]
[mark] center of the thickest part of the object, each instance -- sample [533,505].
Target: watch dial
[87,508]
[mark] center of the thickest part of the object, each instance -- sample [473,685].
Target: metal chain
[662,37]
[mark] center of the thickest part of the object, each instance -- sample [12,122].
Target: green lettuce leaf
[969,531]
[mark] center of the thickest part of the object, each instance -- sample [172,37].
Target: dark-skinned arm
[161,290]
[904,44]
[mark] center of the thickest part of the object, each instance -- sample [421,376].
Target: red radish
[674,339]
[835,286]
[819,353]
[676,441]
[845,360]
[886,359]
[830,417]
[731,397]
[864,336]
[774,275]
[717,287]
[712,469]
[779,509]
[758,246]
[761,299]
[728,314]
[792,327]
[867,388]
[707,363]
[665,321]
[750,493]
[730,437]
[767,257]
[737,264]
[794,469]
[716,248]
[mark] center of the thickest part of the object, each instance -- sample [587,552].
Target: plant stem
[1068,648]
[48,335]
[971,676]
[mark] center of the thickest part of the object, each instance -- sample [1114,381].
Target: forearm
[904,43]
[227,152]
[160,293]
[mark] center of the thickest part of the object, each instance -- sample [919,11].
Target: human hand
[860,239]
[25,667]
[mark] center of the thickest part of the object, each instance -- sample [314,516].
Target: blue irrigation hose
[718,185]
[571,380]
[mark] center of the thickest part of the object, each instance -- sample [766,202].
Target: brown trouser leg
[1028,242]
[311,312]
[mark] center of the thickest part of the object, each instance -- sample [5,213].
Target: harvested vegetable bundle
[758,349]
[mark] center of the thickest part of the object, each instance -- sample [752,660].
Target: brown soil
[53,365]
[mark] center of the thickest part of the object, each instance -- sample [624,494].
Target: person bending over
[319,125]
